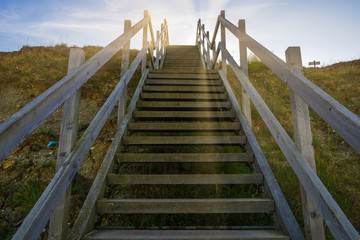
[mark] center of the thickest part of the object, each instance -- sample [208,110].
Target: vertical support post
[245,99]
[203,43]
[197,33]
[124,67]
[207,43]
[314,226]
[162,41]
[157,50]
[223,40]
[58,225]
[167,32]
[143,63]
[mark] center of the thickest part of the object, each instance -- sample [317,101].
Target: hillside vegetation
[25,74]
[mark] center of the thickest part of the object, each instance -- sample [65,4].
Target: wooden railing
[303,93]
[67,91]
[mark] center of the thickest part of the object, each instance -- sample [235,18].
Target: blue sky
[327,31]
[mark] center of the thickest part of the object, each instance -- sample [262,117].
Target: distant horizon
[324,30]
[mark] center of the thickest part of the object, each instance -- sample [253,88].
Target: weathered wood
[202,71]
[125,58]
[36,220]
[58,222]
[185,234]
[84,221]
[344,122]
[183,140]
[223,41]
[189,115]
[217,24]
[334,217]
[180,82]
[183,76]
[230,205]
[185,157]
[157,50]
[144,42]
[117,179]
[290,226]
[18,127]
[245,100]
[187,96]
[183,105]
[181,126]
[206,89]
[314,225]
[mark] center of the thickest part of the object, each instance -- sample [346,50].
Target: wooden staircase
[185,134]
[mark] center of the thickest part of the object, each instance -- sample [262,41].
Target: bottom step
[184,234]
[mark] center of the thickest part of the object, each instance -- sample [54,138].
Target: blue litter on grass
[52,143]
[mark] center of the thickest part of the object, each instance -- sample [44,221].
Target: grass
[37,68]
[337,163]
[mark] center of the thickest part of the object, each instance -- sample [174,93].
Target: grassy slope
[338,165]
[37,68]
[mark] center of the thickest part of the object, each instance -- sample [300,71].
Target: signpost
[314,63]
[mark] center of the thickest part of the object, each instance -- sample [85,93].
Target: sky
[326,30]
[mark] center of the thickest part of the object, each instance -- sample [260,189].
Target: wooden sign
[314,63]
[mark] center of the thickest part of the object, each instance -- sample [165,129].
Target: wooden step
[183,96]
[188,115]
[183,76]
[195,89]
[183,140]
[113,179]
[184,157]
[212,71]
[181,126]
[182,82]
[112,234]
[183,105]
[189,68]
[175,206]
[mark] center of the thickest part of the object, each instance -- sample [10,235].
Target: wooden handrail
[343,121]
[18,127]
[334,217]
[36,220]
[215,32]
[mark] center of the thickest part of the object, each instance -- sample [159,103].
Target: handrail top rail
[341,119]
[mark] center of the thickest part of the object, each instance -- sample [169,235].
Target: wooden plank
[314,225]
[157,50]
[184,96]
[18,127]
[181,126]
[39,215]
[125,58]
[245,100]
[206,89]
[182,105]
[106,234]
[85,219]
[58,222]
[188,115]
[184,157]
[180,82]
[231,205]
[203,71]
[183,76]
[334,217]
[183,140]
[117,179]
[223,41]
[144,42]
[286,217]
[343,121]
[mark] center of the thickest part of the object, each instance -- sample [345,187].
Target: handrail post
[157,50]
[162,41]
[144,42]
[245,99]
[58,222]
[314,226]
[197,33]
[124,67]
[223,40]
